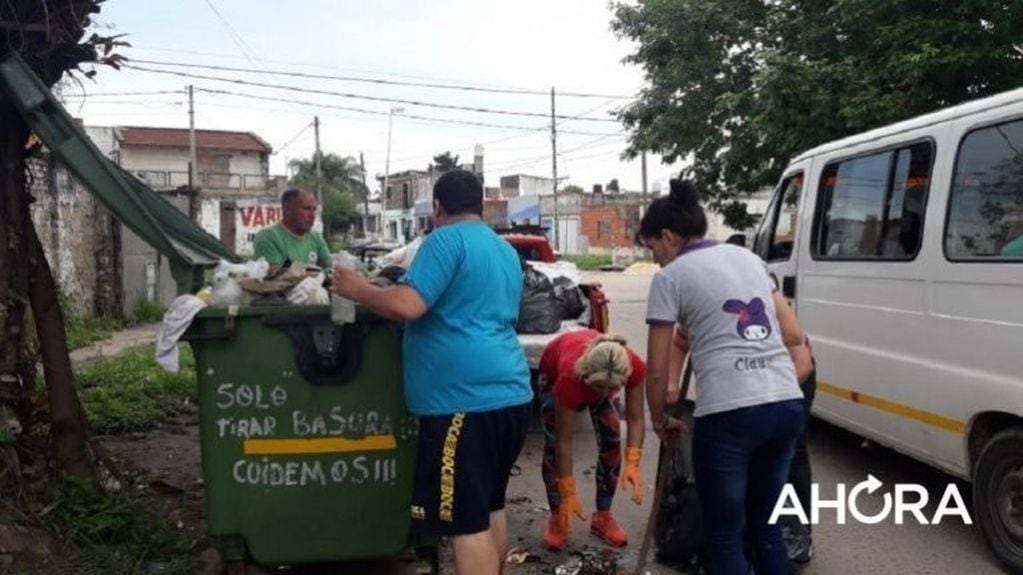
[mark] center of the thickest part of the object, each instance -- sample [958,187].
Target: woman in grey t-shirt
[745,347]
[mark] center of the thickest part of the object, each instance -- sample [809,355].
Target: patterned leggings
[606,417]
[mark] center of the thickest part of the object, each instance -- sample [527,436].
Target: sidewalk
[115,345]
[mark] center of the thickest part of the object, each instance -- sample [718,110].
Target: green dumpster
[308,449]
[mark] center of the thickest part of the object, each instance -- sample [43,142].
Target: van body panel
[909,350]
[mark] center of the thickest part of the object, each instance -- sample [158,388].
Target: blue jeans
[741,462]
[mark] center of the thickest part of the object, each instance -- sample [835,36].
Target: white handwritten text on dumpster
[357,470]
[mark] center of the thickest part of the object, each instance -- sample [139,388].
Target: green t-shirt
[1013,248]
[277,244]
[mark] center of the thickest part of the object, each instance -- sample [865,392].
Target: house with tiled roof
[228,162]
[238,195]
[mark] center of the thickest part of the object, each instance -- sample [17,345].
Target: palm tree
[342,173]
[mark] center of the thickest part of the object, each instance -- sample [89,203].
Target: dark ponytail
[680,212]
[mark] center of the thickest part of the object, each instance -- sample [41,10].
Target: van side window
[788,213]
[872,207]
[777,230]
[985,216]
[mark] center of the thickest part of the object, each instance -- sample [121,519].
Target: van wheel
[998,496]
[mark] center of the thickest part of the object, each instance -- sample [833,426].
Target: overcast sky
[521,44]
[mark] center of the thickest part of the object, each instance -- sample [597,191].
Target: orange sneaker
[554,539]
[603,525]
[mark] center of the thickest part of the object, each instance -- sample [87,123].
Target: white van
[902,250]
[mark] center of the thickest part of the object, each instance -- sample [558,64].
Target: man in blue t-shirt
[465,374]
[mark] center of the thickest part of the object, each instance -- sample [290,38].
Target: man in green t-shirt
[292,238]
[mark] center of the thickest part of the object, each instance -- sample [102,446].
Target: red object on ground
[554,539]
[603,525]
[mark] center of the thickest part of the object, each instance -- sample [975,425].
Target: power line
[151,93]
[364,97]
[292,140]
[382,113]
[239,42]
[466,88]
[325,67]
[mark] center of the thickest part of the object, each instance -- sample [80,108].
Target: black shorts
[462,468]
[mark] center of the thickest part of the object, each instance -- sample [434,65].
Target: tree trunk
[67,423]
[16,368]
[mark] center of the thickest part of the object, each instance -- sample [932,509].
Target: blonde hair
[605,364]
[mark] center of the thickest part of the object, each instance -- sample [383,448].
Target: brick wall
[609,226]
[79,237]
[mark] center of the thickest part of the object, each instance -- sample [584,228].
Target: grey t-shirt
[722,295]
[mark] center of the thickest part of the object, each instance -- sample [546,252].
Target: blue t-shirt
[463,355]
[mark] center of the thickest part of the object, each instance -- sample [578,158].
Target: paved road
[837,457]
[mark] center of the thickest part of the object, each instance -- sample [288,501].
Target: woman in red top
[584,370]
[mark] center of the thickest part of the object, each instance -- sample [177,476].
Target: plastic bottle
[342,310]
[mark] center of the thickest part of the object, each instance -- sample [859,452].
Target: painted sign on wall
[252,216]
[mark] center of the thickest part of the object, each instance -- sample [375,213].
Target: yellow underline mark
[318,445]
[899,409]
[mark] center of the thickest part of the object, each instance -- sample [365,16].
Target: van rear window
[985,215]
[872,207]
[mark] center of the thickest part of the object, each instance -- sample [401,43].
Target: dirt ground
[167,462]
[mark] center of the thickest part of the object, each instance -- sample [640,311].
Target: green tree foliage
[571,189]
[445,162]
[737,87]
[342,188]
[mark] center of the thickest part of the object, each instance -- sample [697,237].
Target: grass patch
[83,331]
[589,261]
[131,393]
[147,312]
[116,533]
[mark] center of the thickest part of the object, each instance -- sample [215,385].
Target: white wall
[246,163]
[155,158]
[755,205]
[103,138]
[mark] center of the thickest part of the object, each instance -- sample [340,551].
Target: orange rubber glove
[569,503]
[631,474]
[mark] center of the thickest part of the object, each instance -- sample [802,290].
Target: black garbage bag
[570,298]
[538,312]
[678,527]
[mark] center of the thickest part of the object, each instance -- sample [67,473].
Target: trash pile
[588,562]
[551,295]
[252,283]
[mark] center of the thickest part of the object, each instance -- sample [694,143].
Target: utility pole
[193,162]
[643,165]
[365,198]
[554,166]
[387,162]
[319,157]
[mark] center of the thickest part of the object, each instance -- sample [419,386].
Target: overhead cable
[383,113]
[435,85]
[365,97]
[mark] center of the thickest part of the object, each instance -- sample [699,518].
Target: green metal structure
[308,450]
[188,248]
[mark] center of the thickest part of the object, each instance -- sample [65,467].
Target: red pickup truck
[536,248]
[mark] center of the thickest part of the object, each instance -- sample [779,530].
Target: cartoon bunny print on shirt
[754,325]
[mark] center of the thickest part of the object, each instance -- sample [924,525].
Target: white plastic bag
[256,270]
[226,290]
[342,310]
[309,291]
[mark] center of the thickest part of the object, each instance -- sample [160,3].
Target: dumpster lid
[152,217]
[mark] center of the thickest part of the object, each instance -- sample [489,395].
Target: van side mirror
[737,239]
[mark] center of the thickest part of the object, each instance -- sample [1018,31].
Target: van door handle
[788,287]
